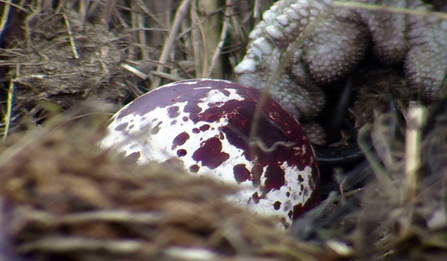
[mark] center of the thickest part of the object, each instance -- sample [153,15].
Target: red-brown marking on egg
[180,140]
[204,127]
[256,197]
[181,152]
[133,157]
[194,168]
[173,112]
[274,178]
[210,153]
[226,93]
[277,205]
[241,173]
[121,127]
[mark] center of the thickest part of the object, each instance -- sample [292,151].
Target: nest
[65,198]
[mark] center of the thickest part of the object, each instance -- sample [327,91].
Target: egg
[206,126]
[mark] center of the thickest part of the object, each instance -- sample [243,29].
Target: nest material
[379,91]
[403,214]
[62,60]
[65,69]
[69,51]
[65,198]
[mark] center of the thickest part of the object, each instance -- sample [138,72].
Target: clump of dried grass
[400,214]
[65,198]
[403,214]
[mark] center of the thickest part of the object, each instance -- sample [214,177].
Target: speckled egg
[205,124]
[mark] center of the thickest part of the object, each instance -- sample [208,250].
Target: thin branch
[417,117]
[70,37]
[223,36]
[167,48]
[8,3]
[108,11]
[142,36]
[9,106]
[4,18]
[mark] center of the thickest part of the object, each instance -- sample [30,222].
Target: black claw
[344,156]
[335,123]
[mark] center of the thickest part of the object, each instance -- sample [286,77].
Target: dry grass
[62,197]
[68,51]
